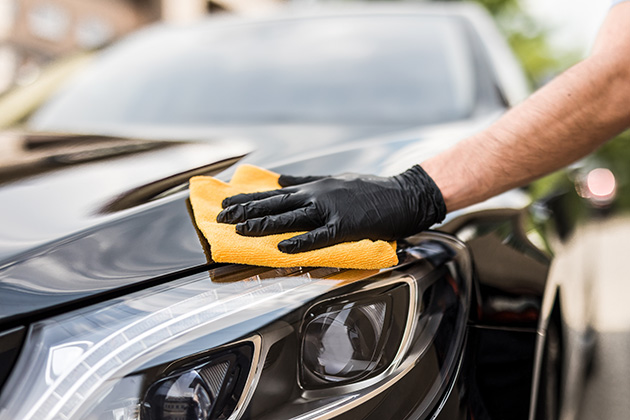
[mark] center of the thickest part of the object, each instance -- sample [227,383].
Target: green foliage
[529,40]
[496,7]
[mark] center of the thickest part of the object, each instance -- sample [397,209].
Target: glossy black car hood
[83,214]
[101,218]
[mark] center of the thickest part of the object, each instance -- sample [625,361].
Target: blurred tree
[529,40]
[496,7]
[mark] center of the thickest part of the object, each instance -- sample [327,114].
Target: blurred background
[547,36]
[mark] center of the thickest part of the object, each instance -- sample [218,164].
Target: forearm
[562,122]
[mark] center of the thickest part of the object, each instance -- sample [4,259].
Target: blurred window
[363,69]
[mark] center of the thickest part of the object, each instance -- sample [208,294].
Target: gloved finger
[321,237]
[290,180]
[244,198]
[259,208]
[293,221]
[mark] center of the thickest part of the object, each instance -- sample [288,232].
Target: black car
[112,308]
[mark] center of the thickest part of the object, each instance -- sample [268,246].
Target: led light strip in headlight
[125,334]
[102,361]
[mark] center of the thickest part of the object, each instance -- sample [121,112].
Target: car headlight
[278,343]
[348,338]
[344,342]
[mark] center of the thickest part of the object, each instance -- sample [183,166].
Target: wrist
[461,184]
[428,201]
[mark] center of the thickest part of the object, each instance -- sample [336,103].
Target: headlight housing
[278,344]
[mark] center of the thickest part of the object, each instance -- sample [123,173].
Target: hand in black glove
[338,209]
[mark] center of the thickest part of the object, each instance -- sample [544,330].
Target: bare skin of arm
[565,120]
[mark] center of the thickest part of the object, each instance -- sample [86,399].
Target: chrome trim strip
[252,377]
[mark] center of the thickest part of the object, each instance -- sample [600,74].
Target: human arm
[562,122]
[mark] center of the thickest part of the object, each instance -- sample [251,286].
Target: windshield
[351,70]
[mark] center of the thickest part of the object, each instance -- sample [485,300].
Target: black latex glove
[338,209]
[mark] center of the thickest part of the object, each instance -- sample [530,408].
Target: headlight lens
[203,392]
[355,336]
[183,397]
[344,342]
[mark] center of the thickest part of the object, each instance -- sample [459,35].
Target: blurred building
[35,32]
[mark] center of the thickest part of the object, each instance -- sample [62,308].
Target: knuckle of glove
[227,215]
[235,213]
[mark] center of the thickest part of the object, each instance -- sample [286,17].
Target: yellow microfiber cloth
[206,195]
